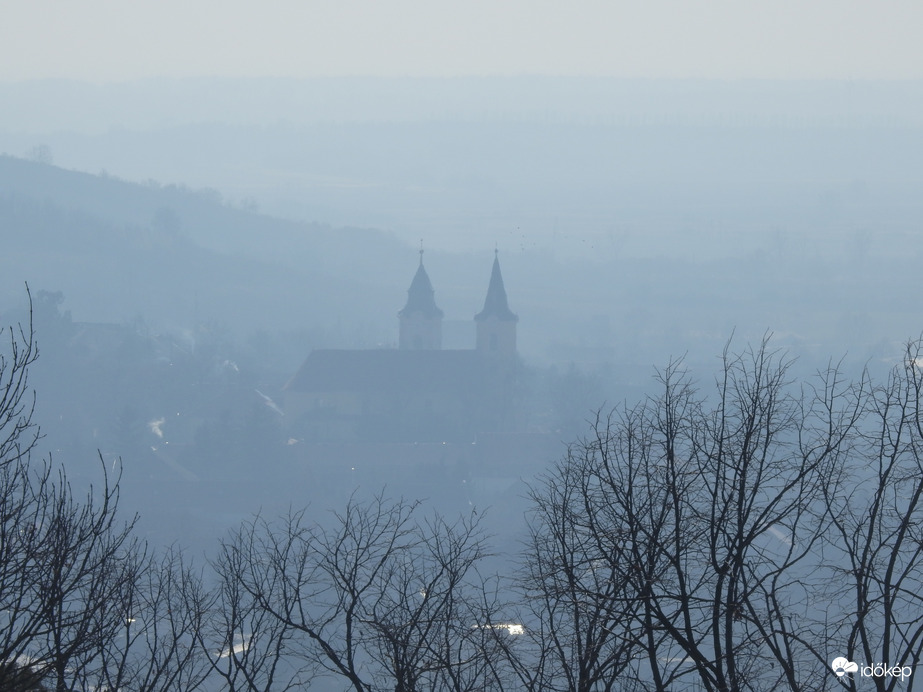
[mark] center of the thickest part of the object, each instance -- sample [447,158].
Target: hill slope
[118,249]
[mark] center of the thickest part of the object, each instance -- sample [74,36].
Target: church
[418,392]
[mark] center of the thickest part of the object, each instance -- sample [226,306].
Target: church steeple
[496,323]
[421,318]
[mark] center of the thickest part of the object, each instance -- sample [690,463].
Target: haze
[101,40]
[287,255]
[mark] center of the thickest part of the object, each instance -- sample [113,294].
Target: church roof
[495,304]
[393,370]
[420,295]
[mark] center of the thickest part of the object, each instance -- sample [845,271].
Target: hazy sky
[104,40]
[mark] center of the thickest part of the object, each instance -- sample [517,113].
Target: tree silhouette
[682,544]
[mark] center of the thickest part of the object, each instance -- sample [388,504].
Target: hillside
[118,249]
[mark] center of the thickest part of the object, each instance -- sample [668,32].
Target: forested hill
[118,249]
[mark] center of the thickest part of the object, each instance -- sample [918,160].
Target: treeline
[737,536]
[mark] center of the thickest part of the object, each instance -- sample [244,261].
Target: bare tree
[574,605]
[20,520]
[418,612]
[681,539]
[161,607]
[249,646]
[40,153]
[380,599]
[875,547]
[64,559]
[21,677]
[80,570]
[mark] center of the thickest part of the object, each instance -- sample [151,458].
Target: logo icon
[841,666]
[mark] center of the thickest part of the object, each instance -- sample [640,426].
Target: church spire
[496,323]
[495,304]
[421,318]
[421,296]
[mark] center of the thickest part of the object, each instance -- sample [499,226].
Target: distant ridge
[119,249]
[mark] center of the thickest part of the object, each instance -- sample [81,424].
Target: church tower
[420,320]
[496,323]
